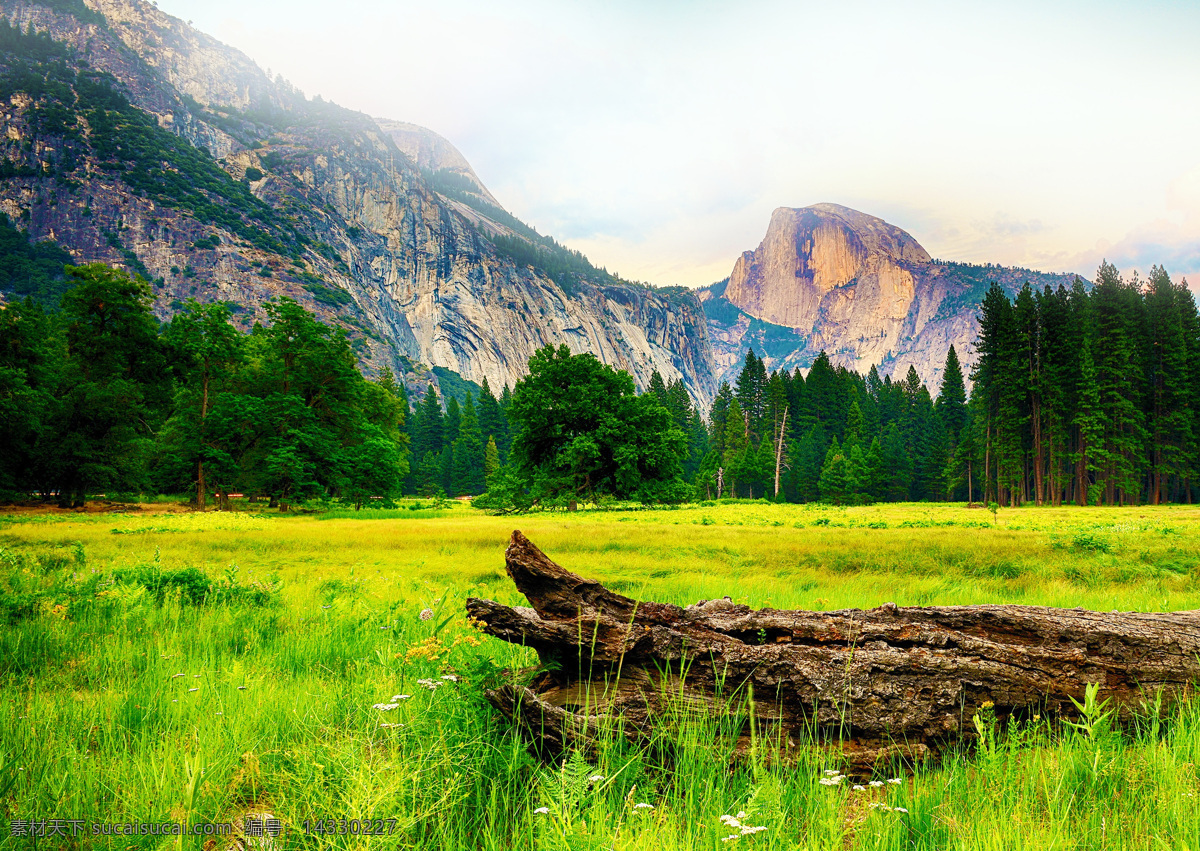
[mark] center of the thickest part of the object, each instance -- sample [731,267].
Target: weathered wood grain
[877,683]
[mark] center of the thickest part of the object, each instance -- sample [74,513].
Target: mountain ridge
[382,227]
[829,278]
[299,198]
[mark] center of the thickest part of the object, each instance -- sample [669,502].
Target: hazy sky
[657,137]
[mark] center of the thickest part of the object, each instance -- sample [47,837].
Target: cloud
[1003,225]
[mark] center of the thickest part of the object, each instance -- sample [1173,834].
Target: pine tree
[1170,403]
[658,387]
[833,475]
[807,457]
[717,418]
[737,442]
[1116,358]
[823,397]
[491,420]
[491,459]
[452,421]
[428,425]
[469,461]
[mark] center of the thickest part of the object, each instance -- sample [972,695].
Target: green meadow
[199,668]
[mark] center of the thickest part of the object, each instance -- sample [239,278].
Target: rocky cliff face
[274,195]
[828,278]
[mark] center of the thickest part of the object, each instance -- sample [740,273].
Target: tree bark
[878,684]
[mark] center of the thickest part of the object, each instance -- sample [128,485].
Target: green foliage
[720,310]
[31,269]
[151,161]
[280,699]
[585,434]
[327,295]
[454,386]
[98,397]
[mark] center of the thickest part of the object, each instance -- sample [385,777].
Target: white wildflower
[330,606]
[831,772]
[899,810]
[176,676]
[540,811]
[597,778]
[730,821]
[450,678]
[876,783]
[425,615]
[389,726]
[858,788]
[750,831]
[432,685]
[385,707]
[197,688]
[643,806]
[741,814]
[730,837]
[831,781]
[895,781]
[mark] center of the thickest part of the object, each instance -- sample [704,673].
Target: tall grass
[204,667]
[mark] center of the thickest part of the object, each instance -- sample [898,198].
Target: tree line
[97,395]
[1086,395]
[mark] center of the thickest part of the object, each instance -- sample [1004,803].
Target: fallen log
[888,682]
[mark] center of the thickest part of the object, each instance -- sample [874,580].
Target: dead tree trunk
[888,682]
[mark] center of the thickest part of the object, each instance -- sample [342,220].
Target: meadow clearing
[200,667]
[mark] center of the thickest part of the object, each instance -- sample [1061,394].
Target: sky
[657,136]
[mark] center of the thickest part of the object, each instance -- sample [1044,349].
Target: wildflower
[385,627]
[384,707]
[396,697]
[425,615]
[831,781]
[643,806]
[596,778]
[750,831]
[450,678]
[220,713]
[731,821]
[876,783]
[730,837]
[540,811]
[390,725]
[895,781]
[899,810]
[432,685]
[176,676]
[858,788]
[832,772]
[197,688]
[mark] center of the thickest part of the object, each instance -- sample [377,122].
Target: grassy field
[186,667]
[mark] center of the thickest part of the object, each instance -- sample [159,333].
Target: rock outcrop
[828,278]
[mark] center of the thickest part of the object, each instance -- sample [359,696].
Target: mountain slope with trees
[134,140]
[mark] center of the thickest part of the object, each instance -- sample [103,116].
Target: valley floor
[210,667]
